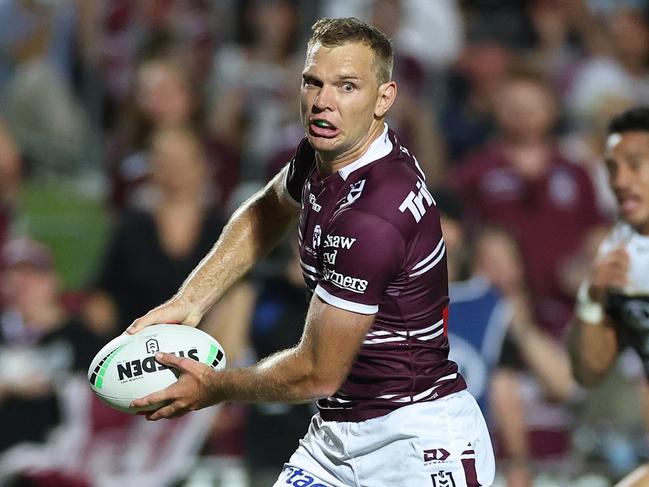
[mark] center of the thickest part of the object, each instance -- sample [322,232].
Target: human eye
[348,87]
[308,81]
[611,167]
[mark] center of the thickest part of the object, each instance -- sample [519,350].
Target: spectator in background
[252,105]
[515,370]
[619,63]
[521,182]
[471,88]
[478,315]
[157,243]
[163,96]
[36,96]
[412,114]
[532,381]
[40,344]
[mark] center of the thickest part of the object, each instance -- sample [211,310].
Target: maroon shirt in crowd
[549,216]
[371,243]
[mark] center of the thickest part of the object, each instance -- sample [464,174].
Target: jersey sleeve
[297,172]
[361,253]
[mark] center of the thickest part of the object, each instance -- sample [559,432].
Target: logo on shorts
[436,455]
[443,479]
[299,478]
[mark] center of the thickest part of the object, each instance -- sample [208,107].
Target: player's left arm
[314,368]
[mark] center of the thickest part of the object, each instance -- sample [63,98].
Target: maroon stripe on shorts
[468,464]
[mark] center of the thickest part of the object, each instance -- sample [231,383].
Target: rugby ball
[126,369]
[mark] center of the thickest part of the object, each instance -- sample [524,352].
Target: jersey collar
[381,147]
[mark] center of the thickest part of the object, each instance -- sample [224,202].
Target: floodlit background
[131,129]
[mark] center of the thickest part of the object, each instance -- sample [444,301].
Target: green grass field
[74,225]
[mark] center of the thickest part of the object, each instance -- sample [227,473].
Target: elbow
[589,373]
[321,386]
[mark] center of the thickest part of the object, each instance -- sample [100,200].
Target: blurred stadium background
[129,131]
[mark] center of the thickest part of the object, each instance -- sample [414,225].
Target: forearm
[287,376]
[592,349]
[506,403]
[252,232]
[548,360]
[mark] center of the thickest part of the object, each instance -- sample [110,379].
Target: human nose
[324,99]
[623,177]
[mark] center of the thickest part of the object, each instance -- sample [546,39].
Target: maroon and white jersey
[371,243]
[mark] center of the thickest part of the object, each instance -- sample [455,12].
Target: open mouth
[322,128]
[629,203]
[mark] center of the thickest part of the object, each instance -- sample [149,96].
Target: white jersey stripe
[432,335]
[430,256]
[374,336]
[432,264]
[430,328]
[364,309]
[448,377]
[309,277]
[309,268]
[374,341]
[417,397]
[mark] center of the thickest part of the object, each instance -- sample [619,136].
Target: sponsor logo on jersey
[315,206]
[443,479]
[330,257]
[348,283]
[299,478]
[417,203]
[317,232]
[355,191]
[338,242]
[436,455]
[137,368]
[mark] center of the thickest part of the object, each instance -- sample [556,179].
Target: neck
[329,163]
[182,197]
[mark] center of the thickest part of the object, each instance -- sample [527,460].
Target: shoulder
[304,153]
[394,191]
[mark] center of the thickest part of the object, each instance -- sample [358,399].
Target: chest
[321,202]
[503,190]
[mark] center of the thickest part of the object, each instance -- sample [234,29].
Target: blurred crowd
[172,112]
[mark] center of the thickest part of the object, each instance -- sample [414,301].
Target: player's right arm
[592,340]
[252,232]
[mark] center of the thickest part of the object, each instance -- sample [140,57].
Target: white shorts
[442,443]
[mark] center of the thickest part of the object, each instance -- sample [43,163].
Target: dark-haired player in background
[393,410]
[612,309]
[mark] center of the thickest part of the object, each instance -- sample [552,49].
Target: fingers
[170,411]
[612,269]
[161,397]
[141,323]
[173,312]
[171,360]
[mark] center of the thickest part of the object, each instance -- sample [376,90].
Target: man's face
[627,162]
[339,97]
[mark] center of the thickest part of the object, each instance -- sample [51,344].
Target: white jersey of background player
[612,309]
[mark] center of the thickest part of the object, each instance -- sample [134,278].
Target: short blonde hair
[336,32]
